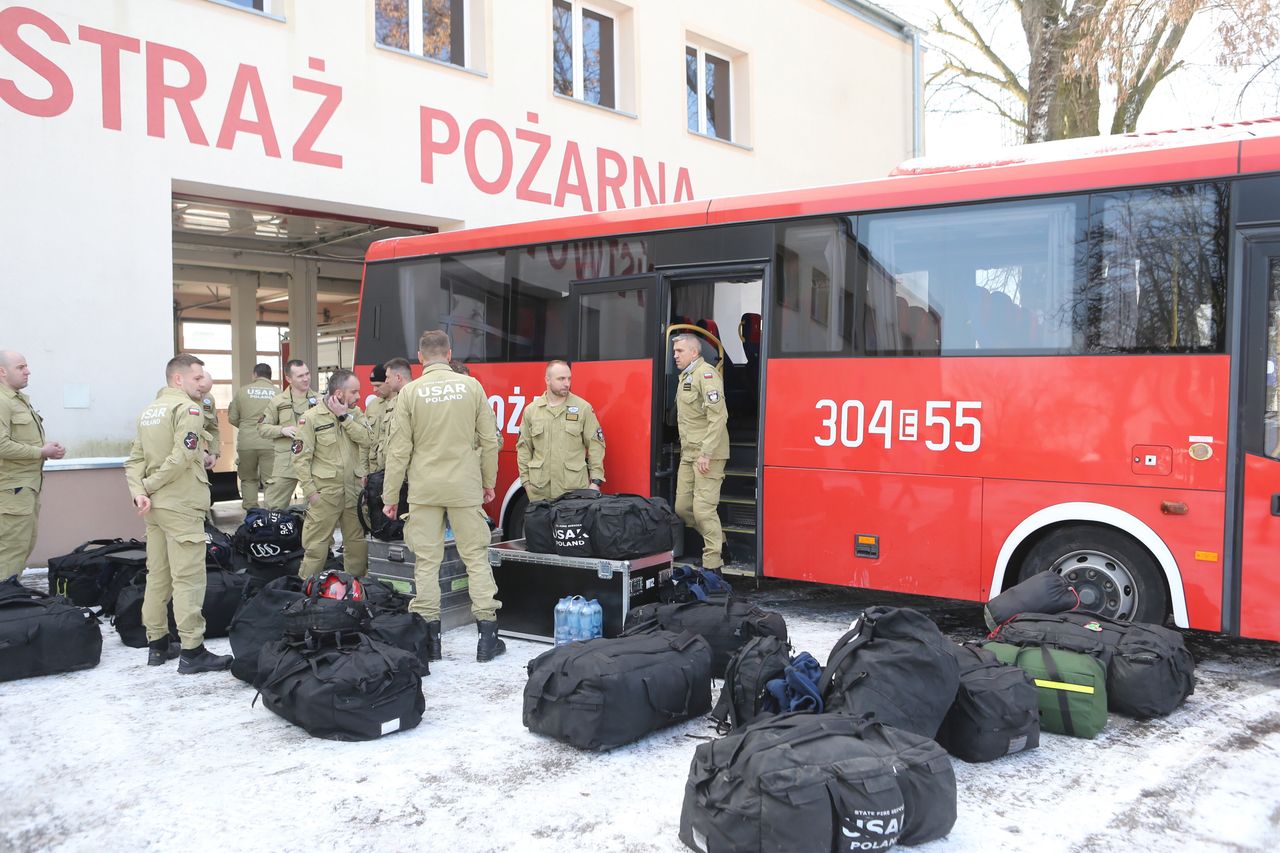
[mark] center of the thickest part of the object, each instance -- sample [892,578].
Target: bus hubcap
[1103,583]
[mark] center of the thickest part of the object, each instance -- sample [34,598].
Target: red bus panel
[1260,543]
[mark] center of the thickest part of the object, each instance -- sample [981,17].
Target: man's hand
[143,503]
[335,405]
[364,481]
[290,431]
[595,487]
[312,498]
[391,511]
[209,461]
[52,450]
[704,465]
[488,495]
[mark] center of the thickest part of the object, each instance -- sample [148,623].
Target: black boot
[162,650]
[201,659]
[489,646]
[434,651]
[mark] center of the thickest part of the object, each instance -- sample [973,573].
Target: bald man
[23,450]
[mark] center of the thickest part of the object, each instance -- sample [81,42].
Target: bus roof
[1070,165]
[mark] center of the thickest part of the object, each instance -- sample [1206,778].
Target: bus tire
[513,527]
[1114,575]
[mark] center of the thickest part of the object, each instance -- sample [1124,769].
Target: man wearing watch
[561,443]
[333,438]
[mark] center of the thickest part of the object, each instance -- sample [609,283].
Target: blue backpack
[688,583]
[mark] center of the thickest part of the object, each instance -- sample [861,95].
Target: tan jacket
[560,447]
[21,438]
[246,411]
[701,413]
[330,454]
[166,462]
[441,419]
[209,409]
[284,410]
[380,413]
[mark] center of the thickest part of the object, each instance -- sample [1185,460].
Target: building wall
[91,158]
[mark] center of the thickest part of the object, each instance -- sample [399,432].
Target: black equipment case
[393,563]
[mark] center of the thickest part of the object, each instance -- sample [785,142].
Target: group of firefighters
[438,431]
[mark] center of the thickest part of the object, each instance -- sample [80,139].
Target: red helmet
[336,585]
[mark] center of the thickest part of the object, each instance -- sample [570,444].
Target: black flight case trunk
[393,562]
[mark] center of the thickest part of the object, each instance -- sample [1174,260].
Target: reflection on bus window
[815,293]
[1271,407]
[611,325]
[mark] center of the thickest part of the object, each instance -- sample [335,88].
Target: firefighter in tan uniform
[398,374]
[703,421]
[23,450]
[333,438]
[254,453]
[441,419]
[561,444]
[209,411]
[166,473]
[280,424]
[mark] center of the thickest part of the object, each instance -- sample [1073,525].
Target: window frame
[701,92]
[414,10]
[578,53]
[268,9]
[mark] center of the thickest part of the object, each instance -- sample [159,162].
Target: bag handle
[670,715]
[855,638]
[1063,709]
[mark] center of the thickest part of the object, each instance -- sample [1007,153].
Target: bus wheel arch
[1095,536]
[511,517]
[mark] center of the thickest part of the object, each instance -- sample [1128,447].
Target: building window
[266,7]
[709,92]
[435,29]
[584,53]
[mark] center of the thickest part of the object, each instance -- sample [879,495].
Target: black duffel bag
[223,593]
[808,782]
[261,572]
[895,663]
[353,692]
[623,527]
[267,535]
[383,597]
[369,507]
[742,697]
[83,576]
[996,711]
[727,625]
[604,693]
[127,571]
[407,631]
[43,634]
[540,524]
[1044,592]
[260,621]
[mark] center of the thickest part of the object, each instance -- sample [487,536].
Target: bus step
[739,484]
[739,513]
[743,455]
[742,545]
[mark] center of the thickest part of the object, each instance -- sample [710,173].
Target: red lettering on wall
[233,120]
[183,97]
[62,93]
[430,146]
[640,177]
[572,161]
[110,46]
[684,186]
[478,127]
[524,189]
[304,149]
[607,184]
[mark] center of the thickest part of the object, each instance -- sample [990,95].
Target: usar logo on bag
[570,533]
[870,829]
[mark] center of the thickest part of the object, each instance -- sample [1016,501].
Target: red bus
[939,382]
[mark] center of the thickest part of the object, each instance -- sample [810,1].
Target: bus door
[613,353]
[1255,587]
[723,307]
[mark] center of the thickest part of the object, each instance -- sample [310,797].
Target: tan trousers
[19,511]
[175,570]
[333,509]
[254,468]
[424,534]
[697,497]
[283,483]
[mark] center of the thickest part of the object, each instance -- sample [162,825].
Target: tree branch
[983,46]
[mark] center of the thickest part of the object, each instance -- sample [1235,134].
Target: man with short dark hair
[441,419]
[398,374]
[280,424]
[170,487]
[377,376]
[23,450]
[253,452]
[561,444]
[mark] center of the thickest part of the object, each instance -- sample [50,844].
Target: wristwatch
[597,482]
[341,418]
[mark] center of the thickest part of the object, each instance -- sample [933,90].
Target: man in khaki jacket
[703,422]
[280,424]
[398,374]
[334,438]
[167,479]
[441,418]
[23,450]
[561,444]
[253,452]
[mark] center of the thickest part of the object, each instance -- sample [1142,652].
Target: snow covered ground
[125,757]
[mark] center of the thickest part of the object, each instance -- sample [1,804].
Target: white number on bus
[947,424]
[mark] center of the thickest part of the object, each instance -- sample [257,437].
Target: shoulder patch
[193,411]
[190,441]
[713,396]
[296,447]
[708,376]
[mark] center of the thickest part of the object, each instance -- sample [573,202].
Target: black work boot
[201,659]
[434,651]
[489,646]
[162,650]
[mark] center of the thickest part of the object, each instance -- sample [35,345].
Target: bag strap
[853,639]
[670,715]
[1063,708]
[721,712]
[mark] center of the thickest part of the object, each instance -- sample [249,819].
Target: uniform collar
[6,391]
[693,365]
[307,396]
[170,391]
[436,367]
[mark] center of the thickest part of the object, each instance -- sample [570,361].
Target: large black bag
[542,517]
[217,549]
[84,575]
[604,693]
[223,593]
[268,536]
[895,663]
[727,625]
[407,631]
[996,711]
[261,572]
[260,621]
[742,697]
[809,782]
[42,634]
[357,692]
[127,571]
[369,509]
[1044,592]
[128,616]
[624,527]
[383,597]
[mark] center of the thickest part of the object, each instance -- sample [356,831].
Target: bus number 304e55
[940,425]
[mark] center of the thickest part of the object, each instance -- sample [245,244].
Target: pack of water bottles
[578,619]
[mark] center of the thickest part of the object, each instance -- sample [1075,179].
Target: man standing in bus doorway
[703,421]
[280,424]
[167,479]
[561,444]
[333,438]
[398,374]
[253,451]
[441,418]
[23,450]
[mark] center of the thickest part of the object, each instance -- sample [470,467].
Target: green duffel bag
[1072,687]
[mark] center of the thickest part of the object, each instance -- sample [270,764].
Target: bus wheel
[514,527]
[1113,574]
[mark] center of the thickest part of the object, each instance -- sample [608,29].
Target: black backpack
[42,634]
[83,576]
[546,524]
[359,691]
[269,536]
[894,663]
[316,620]
[743,695]
[624,527]
[604,693]
[369,509]
[383,597]
[996,711]
[217,549]
[802,782]
[1044,592]
[727,625]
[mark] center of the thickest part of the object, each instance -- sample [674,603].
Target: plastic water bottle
[582,630]
[574,617]
[563,631]
[597,619]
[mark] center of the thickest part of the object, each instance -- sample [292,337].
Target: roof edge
[880,18]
